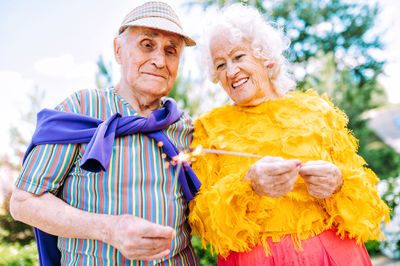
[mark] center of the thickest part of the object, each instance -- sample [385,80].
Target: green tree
[181,92]
[104,73]
[13,232]
[338,84]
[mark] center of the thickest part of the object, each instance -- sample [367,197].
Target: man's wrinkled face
[149,60]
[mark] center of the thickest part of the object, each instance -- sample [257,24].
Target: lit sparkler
[215,151]
[188,157]
[178,161]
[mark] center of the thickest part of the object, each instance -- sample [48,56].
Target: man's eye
[146,44]
[171,52]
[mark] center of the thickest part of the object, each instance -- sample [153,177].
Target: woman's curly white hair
[268,43]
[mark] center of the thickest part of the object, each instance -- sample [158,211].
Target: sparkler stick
[230,153]
[174,185]
[189,156]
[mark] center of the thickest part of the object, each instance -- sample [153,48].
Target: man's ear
[117,49]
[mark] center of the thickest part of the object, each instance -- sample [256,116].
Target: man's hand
[273,176]
[134,237]
[322,178]
[139,239]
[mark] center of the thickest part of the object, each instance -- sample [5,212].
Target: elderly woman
[311,201]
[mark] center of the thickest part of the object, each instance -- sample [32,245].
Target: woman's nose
[231,70]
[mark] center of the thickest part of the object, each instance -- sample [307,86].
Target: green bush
[390,190]
[373,248]
[206,258]
[12,231]
[16,255]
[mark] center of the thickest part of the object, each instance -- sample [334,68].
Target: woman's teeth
[240,82]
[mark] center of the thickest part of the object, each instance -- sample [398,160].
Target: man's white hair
[268,43]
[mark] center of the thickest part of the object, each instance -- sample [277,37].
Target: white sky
[55,44]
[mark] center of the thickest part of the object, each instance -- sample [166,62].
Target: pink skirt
[324,249]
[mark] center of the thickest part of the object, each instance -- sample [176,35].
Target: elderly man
[96,172]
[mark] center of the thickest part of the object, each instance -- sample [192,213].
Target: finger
[282,167]
[147,256]
[143,248]
[319,170]
[271,159]
[159,255]
[287,178]
[153,230]
[296,161]
[284,183]
[154,243]
[279,190]
[318,162]
[318,191]
[310,179]
[318,180]
[321,184]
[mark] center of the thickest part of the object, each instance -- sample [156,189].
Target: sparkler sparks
[190,156]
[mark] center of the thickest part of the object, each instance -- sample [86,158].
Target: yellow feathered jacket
[231,217]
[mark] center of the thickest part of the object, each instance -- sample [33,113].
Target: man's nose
[158,58]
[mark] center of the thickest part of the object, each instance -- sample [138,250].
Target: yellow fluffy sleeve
[357,209]
[238,227]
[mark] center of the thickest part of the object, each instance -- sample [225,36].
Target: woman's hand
[322,178]
[273,176]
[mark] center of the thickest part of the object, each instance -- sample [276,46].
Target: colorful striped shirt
[138,182]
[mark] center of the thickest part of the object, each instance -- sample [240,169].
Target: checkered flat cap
[157,15]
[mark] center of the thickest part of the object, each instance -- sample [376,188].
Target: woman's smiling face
[243,77]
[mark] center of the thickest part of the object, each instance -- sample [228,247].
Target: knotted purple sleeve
[63,127]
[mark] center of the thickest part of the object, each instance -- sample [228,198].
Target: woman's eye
[239,56]
[219,66]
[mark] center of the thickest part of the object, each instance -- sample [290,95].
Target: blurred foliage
[390,192]
[181,92]
[18,255]
[14,232]
[373,247]
[104,74]
[17,239]
[347,96]
[206,258]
